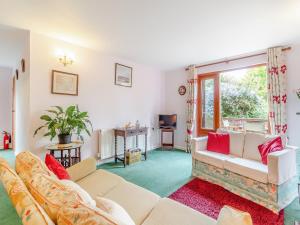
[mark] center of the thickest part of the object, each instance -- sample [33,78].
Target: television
[168,121]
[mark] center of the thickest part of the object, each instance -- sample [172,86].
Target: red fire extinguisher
[6,141]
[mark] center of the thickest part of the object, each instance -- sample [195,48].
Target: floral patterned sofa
[41,198]
[273,186]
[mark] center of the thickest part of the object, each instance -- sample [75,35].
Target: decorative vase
[64,138]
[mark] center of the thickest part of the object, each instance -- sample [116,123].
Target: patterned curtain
[191,105]
[277,93]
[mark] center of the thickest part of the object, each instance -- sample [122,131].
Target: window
[235,100]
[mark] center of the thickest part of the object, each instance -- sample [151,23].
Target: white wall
[5,99]
[109,106]
[293,63]
[22,97]
[177,104]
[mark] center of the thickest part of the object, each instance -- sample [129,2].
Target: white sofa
[144,207]
[242,172]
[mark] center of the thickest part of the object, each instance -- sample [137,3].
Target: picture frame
[123,75]
[64,83]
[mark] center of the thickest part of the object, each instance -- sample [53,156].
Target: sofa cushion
[82,214]
[51,194]
[283,138]
[27,165]
[272,145]
[86,198]
[236,142]
[252,141]
[82,169]
[168,212]
[212,158]
[218,143]
[114,209]
[137,201]
[56,167]
[27,208]
[100,182]
[248,168]
[229,216]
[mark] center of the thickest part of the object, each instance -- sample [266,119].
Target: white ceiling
[163,33]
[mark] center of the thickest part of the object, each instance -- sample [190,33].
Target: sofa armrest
[199,144]
[281,166]
[82,169]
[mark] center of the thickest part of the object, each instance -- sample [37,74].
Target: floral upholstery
[51,194]
[27,208]
[27,165]
[82,214]
[269,195]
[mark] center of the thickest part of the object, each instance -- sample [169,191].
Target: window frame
[201,77]
[217,98]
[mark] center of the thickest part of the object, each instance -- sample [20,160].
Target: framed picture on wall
[123,75]
[64,83]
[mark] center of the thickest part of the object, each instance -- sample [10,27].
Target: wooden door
[208,107]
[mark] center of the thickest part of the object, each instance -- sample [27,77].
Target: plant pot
[64,138]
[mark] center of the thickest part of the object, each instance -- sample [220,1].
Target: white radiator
[106,144]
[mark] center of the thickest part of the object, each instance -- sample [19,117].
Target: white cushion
[230,216]
[137,201]
[236,142]
[252,141]
[86,198]
[248,168]
[169,212]
[212,158]
[100,182]
[115,210]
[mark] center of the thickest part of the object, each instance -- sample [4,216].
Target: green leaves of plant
[65,122]
[59,108]
[45,117]
[70,110]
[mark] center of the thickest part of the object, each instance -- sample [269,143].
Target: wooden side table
[163,144]
[69,154]
[125,133]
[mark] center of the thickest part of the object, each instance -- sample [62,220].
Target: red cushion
[56,167]
[218,143]
[273,145]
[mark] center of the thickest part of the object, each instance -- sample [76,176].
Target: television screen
[168,121]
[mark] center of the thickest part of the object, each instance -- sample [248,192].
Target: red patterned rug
[209,198]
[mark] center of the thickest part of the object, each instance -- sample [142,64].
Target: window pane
[207,87]
[244,99]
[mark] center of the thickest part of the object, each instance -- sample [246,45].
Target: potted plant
[63,123]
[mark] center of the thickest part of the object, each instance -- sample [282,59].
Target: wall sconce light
[65,60]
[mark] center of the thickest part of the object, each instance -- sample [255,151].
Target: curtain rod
[238,58]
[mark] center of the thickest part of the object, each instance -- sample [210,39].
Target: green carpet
[163,172]
[8,214]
